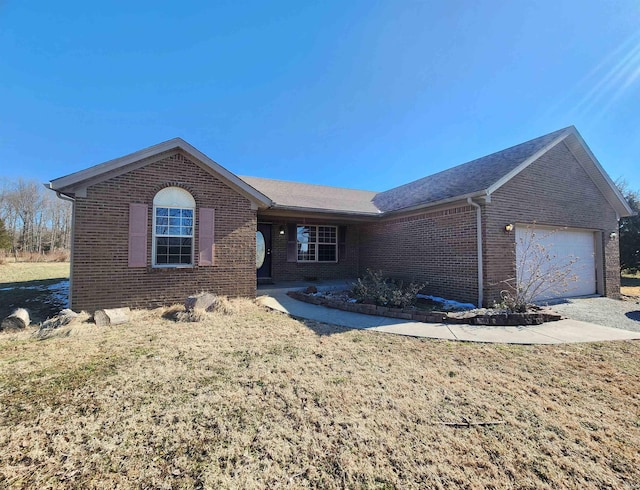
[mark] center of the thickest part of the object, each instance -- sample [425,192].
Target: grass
[630,284]
[259,400]
[21,272]
[26,285]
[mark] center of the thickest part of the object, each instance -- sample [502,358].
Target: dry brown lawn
[630,284]
[260,400]
[630,290]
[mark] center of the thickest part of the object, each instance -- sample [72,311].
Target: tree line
[32,218]
[630,230]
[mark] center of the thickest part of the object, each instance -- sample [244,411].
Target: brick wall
[437,247]
[555,190]
[101,276]
[345,268]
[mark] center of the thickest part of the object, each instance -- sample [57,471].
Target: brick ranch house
[157,225]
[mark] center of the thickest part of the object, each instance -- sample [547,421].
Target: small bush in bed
[375,288]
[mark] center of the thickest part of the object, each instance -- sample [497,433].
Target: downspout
[64,197]
[479,238]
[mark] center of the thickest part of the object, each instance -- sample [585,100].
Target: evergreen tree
[5,239]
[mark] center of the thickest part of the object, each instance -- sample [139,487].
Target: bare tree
[539,272]
[34,218]
[630,229]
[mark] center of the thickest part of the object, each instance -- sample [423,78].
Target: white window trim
[155,236]
[176,198]
[318,243]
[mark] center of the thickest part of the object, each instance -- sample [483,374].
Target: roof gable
[469,179]
[487,174]
[587,160]
[77,183]
[480,177]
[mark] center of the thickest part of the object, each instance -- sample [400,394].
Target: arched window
[173,226]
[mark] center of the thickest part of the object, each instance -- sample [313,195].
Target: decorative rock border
[458,317]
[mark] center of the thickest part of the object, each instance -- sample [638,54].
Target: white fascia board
[107,168]
[302,209]
[478,194]
[116,163]
[506,178]
[229,176]
[596,163]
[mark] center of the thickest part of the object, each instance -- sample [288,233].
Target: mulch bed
[472,317]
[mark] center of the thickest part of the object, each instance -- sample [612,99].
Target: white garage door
[565,259]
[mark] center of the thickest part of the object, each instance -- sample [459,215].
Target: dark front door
[263,250]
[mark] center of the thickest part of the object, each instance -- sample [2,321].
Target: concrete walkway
[560,332]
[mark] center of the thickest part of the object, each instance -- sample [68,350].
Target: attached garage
[453,230]
[556,263]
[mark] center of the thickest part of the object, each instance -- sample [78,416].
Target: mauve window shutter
[138,235]
[292,242]
[206,233]
[342,242]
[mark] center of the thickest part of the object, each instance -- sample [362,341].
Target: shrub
[58,255]
[377,289]
[539,272]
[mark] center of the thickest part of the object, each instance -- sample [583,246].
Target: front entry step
[265,280]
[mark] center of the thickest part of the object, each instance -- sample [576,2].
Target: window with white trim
[317,243]
[173,228]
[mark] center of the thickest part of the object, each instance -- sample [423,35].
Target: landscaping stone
[18,320]
[436,317]
[481,320]
[368,308]
[480,316]
[499,319]
[202,301]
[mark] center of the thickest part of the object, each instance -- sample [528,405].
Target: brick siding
[437,247]
[345,268]
[556,191]
[101,276]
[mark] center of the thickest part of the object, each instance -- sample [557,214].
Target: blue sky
[363,94]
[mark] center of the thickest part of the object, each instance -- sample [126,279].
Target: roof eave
[71,180]
[510,175]
[304,209]
[619,203]
[69,184]
[440,202]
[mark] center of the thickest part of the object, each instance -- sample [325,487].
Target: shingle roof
[314,197]
[481,176]
[76,183]
[468,178]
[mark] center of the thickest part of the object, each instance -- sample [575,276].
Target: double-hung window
[317,243]
[173,228]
